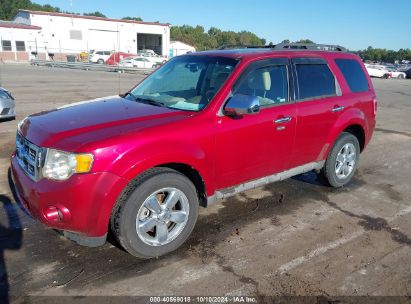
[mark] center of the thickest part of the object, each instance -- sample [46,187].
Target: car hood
[73,126]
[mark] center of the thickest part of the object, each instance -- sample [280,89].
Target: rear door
[319,104]
[259,145]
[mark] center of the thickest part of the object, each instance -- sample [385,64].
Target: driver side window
[269,84]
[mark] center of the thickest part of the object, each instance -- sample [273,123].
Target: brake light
[375,106]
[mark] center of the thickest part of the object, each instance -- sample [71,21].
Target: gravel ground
[296,237]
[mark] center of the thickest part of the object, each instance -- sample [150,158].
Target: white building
[16,40]
[61,34]
[178,48]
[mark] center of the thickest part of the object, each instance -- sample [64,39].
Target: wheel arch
[194,176]
[353,121]
[358,131]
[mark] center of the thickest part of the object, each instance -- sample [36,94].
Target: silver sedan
[7,105]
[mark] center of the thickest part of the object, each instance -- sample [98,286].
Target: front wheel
[401,76]
[342,161]
[157,215]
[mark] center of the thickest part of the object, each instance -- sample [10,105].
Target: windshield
[185,83]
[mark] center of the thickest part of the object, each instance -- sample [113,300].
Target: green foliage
[132,18]
[95,14]
[306,41]
[214,38]
[384,55]
[9,8]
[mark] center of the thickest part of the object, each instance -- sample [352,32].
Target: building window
[20,46]
[6,45]
[76,35]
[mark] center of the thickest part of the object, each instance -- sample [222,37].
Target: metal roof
[91,17]
[12,24]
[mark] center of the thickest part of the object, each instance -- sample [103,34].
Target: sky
[355,24]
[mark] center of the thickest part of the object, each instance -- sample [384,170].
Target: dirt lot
[296,237]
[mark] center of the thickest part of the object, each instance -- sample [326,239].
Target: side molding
[231,191]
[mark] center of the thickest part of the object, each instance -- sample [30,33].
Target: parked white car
[138,62]
[394,73]
[7,104]
[378,71]
[99,57]
[152,56]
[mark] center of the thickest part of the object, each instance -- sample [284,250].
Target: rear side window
[315,80]
[353,74]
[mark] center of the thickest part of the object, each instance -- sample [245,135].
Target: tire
[100,61]
[400,76]
[132,211]
[332,165]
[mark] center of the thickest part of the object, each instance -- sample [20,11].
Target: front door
[257,145]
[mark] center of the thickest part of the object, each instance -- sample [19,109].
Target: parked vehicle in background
[99,57]
[152,56]
[7,104]
[116,57]
[147,51]
[202,127]
[394,73]
[408,73]
[378,71]
[138,62]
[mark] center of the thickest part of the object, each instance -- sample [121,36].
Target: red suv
[203,127]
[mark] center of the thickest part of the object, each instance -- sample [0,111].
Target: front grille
[5,111]
[29,157]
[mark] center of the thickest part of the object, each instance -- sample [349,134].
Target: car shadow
[7,119]
[11,236]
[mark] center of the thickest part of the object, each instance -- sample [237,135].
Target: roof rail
[310,46]
[292,46]
[238,46]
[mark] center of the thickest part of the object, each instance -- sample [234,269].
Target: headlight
[61,165]
[20,124]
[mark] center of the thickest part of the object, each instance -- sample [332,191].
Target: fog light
[57,214]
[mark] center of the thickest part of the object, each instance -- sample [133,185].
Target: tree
[132,18]
[383,55]
[305,41]
[9,8]
[96,14]
[213,38]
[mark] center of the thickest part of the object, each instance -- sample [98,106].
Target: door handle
[338,108]
[283,120]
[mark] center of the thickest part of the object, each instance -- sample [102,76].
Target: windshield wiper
[147,100]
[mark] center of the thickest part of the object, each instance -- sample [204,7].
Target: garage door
[150,42]
[103,40]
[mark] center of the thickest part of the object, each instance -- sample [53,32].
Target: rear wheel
[157,215]
[342,161]
[401,76]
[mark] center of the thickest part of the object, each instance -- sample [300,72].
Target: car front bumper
[83,203]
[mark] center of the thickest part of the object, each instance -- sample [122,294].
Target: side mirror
[240,105]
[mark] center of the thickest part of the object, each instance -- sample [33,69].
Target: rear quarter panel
[359,107]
